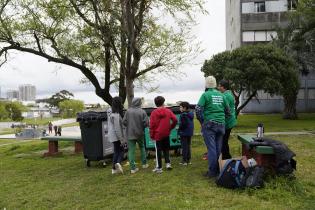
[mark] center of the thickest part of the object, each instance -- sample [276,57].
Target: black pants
[186,148]
[225,145]
[162,145]
[118,153]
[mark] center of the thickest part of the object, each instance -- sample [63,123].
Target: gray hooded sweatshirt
[135,120]
[115,127]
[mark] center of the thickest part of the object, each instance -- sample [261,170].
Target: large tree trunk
[129,91]
[239,108]
[289,111]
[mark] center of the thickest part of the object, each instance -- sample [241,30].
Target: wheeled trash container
[175,143]
[94,136]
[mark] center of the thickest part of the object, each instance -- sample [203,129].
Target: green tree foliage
[69,108]
[257,67]
[297,39]
[55,99]
[112,43]
[14,110]
[3,112]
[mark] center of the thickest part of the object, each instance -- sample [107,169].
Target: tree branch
[38,43]
[64,60]
[78,11]
[150,68]
[246,102]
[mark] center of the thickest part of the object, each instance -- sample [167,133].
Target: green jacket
[214,106]
[230,121]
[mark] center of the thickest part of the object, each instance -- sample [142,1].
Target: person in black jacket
[186,131]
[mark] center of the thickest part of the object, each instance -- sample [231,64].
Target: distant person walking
[50,127]
[56,130]
[59,130]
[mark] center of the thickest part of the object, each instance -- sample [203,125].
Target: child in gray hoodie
[115,133]
[135,121]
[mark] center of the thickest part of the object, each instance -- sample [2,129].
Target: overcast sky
[50,78]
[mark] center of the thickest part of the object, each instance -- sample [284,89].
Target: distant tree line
[12,110]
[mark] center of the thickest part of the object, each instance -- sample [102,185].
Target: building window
[260,7]
[292,4]
[259,36]
[248,36]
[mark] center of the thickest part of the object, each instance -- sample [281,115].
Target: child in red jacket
[160,128]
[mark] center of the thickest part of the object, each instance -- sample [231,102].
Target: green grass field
[29,181]
[272,123]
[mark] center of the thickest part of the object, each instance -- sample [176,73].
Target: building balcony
[264,21]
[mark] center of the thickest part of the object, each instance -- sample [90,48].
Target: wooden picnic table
[53,144]
[264,155]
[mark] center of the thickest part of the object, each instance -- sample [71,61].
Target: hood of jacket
[136,103]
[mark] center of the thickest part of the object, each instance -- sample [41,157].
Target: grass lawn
[272,123]
[29,181]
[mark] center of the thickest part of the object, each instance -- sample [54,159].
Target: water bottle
[260,130]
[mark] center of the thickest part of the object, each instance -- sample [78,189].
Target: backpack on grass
[234,175]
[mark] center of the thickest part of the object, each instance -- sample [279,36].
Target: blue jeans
[118,153]
[213,134]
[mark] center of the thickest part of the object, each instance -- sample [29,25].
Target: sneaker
[189,163]
[157,170]
[119,168]
[183,163]
[134,170]
[168,166]
[145,166]
[114,171]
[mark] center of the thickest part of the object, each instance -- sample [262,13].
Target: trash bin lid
[91,116]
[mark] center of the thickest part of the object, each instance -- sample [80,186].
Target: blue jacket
[186,124]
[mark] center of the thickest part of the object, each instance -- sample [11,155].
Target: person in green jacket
[211,112]
[230,121]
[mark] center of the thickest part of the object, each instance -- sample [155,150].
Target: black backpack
[255,177]
[232,175]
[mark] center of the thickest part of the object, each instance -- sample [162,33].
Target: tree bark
[289,111]
[129,90]
[238,110]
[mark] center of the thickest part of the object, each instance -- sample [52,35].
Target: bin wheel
[177,152]
[148,154]
[87,163]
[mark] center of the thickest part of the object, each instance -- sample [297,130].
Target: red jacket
[160,123]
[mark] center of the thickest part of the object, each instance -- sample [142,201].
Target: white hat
[211,82]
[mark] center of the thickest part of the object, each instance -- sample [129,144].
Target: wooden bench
[53,144]
[264,155]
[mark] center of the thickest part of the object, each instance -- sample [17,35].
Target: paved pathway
[68,131]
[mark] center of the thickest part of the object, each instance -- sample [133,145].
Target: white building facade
[27,92]
[255,21]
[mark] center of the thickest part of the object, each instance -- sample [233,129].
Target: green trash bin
[174,138]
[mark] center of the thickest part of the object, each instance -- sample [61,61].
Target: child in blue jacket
[186,131]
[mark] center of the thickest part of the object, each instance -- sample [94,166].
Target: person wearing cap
[211,111]
[230,121]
